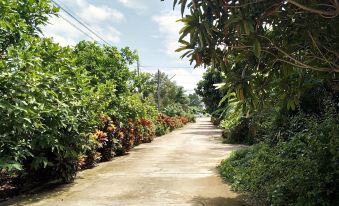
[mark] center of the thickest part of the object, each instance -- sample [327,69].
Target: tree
[194,100]
[288,32]
[22,18]
[267,50]
[144,84]
[170,92]
[207,91]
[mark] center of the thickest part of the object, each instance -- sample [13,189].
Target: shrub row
[166,124]
[111,140]
[67,108]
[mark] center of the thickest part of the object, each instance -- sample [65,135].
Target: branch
[331,51]
[299,63]
[326,14]
[303,65]
[316,46]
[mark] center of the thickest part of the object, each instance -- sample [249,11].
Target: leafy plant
[299,171]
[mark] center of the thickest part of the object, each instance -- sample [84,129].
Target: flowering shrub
[111,140]
[166,123]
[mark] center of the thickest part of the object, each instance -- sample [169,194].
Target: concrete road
[175,169]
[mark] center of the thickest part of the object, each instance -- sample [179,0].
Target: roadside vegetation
[64,109]
[271,83]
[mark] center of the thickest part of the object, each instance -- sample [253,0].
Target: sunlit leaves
[19,17]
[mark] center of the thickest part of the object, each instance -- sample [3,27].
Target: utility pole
[138,67]
[158,90]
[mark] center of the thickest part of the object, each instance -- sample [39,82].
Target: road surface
[175,169]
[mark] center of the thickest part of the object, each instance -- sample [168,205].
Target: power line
[172,77]
[173,67]
[82,31]
[81,21]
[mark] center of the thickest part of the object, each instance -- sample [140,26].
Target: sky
[148,26]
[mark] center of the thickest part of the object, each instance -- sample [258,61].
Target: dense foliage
[300,171]
[263,46]
[276,63]
[67,108]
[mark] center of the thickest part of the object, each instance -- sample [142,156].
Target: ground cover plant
[299,170]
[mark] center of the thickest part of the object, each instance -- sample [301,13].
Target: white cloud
[169,28]
[188,78]
[185,77]
[81,3]
[98,17]
[154,36]
[110,34]
[102,18]
[134,4]
[94,14]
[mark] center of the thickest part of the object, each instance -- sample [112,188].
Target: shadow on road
[206,128]
[38,194]
[217,201]
[203,133]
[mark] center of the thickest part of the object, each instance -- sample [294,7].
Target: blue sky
[148,26]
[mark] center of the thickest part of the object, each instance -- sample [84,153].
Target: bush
[191,118]
[166,123]
[249,130]
[179,110]
[174,110]
[301,170]
[162,129]
[40,110]
[49,106]
[241,133]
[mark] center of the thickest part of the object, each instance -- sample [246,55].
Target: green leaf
[257,48]
[174,3]
[28,120]
[219,85]
[12,166]
[183,6]
[248,27]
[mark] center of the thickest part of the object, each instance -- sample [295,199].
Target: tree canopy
[267,50]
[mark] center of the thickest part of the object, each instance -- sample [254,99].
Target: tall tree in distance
[170,92]
[207,91]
